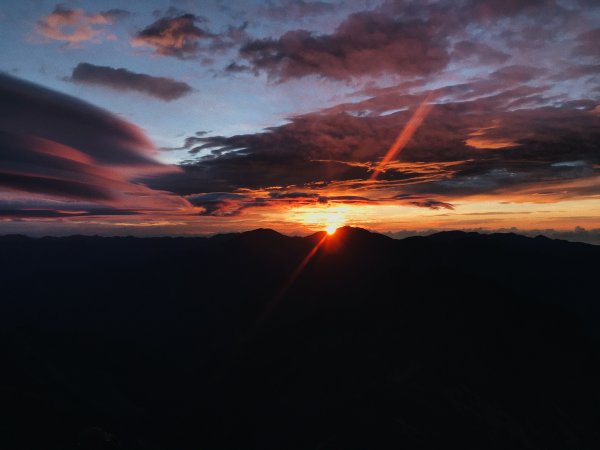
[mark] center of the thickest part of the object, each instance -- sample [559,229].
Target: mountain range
[258,340]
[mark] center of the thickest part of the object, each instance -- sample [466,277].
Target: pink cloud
[366,43]
[64,149]
[75,25]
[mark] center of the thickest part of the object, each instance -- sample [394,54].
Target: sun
[333,222]
[323,218]
[331,228]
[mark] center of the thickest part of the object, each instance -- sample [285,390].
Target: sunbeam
[405,135]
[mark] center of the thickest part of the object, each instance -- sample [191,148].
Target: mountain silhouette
[259,340]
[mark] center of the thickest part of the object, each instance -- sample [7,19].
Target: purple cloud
[164,88]
[366,43]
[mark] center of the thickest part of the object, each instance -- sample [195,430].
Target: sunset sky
[200,117]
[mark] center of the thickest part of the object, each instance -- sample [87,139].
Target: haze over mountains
[455,339]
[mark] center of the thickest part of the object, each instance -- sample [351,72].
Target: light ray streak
[266,313]
[405,135]
[289,282]
[296,273]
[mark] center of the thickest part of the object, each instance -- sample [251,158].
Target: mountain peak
[262,232]
[358,235]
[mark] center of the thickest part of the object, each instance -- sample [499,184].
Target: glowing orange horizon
[405,135]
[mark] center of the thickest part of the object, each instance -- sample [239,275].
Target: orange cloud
[489,143]
[75,25]
[478,139]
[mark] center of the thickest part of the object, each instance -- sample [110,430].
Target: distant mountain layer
[262,341]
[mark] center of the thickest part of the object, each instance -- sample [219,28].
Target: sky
[201,117]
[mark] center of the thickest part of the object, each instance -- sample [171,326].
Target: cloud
[471,144]
[32,165]
[432,204]
[478,52]
[75,25]
[224,204]
[234,67]
[423,202]
[123,80]
[501,126]
[30,213]
[184,36]
[116,14]
[174,36]
[365,43]
[577,71]
[57,147]
[54,170]
[295,9]
[500,9]
[516,74]
[588,44]
[29,109]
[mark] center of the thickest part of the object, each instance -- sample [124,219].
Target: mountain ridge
[448,235]
[263,341]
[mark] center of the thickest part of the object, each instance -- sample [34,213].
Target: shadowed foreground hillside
[475,341]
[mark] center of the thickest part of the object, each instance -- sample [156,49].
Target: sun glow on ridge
[333,222]
[324,218]
[331,228]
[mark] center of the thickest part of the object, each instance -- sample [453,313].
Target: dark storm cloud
[123,80]
[365,43]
